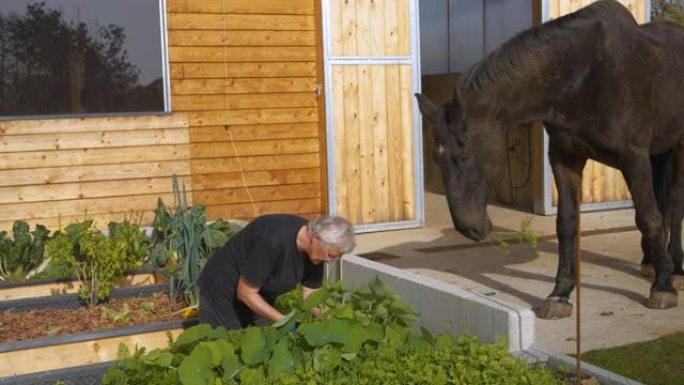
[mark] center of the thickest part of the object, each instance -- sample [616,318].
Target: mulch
[31,324]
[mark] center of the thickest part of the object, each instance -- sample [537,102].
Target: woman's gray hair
[334,231]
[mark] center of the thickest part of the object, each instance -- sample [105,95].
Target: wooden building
[298,106]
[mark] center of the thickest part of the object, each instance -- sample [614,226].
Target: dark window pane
[80,57]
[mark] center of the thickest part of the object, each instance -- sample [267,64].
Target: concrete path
[613,296]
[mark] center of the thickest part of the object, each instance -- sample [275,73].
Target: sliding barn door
[603,187]
[373,132]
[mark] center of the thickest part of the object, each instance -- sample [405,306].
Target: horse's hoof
[662,300]
[678,282]
[647,270]
[555,309]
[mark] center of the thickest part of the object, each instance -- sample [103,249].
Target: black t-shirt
[265,254]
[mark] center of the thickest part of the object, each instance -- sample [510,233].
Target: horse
[605,89]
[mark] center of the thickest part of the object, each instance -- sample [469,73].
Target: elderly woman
[241,281]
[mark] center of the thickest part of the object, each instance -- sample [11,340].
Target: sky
[139,18]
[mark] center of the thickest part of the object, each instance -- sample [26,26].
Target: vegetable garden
[365,336]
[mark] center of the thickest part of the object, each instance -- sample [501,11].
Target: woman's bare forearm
[249,295]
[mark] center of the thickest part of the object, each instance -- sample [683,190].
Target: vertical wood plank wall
[600,183]
[372,111]
[249,68]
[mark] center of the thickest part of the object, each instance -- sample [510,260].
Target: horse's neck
[531,84]
[512,107]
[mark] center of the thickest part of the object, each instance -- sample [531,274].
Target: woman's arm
[249,295]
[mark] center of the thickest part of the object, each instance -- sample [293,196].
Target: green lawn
[657,362]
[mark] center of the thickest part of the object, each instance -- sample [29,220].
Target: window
[64,57]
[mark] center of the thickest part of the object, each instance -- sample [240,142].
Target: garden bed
[43,336]
[17,325]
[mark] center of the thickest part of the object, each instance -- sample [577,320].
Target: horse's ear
[427,108]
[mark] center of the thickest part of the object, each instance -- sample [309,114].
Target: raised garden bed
[149,316]
[444,308]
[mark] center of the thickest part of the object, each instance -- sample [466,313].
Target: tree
[670,10]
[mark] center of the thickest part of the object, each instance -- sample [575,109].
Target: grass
[656,362]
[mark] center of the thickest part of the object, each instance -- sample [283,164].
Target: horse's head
[462,169]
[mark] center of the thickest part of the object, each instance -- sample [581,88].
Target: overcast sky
[139,18]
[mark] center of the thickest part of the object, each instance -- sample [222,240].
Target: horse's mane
[514,57]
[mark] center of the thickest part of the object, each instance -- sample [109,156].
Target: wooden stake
[578,255]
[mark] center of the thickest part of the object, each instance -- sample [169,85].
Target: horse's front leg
[636,169]
[567,170]
[676,214]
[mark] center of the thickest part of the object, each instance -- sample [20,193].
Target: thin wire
[225,108]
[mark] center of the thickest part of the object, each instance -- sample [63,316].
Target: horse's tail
[662,167]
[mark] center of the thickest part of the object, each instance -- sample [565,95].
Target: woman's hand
[306,291]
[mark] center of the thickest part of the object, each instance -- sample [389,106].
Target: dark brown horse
[605,89]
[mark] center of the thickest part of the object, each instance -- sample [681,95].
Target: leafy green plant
[524,235]
[183,241]
[98,260]
[22,256]
[363,337]
[116,316]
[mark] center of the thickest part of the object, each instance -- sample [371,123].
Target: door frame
[414,60]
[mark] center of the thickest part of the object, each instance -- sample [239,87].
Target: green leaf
[217,333]
[286,319]
[195,369]
[427,336]
[343,312]
[345,332]
[214,239]
[408,319]
[159,358]
[363,318]
[218,349]
[380,288]
[326,359]
[122,352]
[192,335]
[444,342]
[253,375]
[396,335]
[316,298]
[257,344]
[380,312]
[285,325]
[317,334]
[283,360]
[231,367]
[400,306]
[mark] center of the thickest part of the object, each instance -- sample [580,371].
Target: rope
[225,109]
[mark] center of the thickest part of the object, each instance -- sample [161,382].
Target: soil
[24,325]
